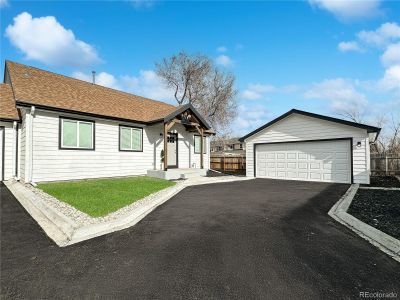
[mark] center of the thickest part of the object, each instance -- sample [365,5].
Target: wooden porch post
[165,147]
[201,148]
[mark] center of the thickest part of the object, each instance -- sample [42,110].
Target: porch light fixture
[358,144]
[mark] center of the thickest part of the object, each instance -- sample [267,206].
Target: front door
[172,141]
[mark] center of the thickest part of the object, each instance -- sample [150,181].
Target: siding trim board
[350,139]
[3,149]
[16,151]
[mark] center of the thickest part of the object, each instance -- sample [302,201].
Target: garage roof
[370,129]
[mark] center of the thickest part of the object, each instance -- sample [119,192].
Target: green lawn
[103,196]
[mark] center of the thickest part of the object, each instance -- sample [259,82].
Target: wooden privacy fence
[228,163]
[385,165]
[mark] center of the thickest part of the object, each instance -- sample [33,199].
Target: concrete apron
[64,231]
[383,241]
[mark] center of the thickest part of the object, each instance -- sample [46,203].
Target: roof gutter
[68,111]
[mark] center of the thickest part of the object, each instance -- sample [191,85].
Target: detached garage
[304,146]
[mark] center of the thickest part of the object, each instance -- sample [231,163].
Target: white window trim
[120,139]
[204,144]
[62,146]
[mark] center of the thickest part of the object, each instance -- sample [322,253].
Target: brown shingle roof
[39,87]
[7,103]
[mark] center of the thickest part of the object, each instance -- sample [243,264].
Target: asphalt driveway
[252,239]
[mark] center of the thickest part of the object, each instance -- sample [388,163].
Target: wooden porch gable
[192,124]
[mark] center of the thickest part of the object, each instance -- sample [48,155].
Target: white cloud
[103,78]
[222,49]
[391,56]
[349,46]
[44,39]
[250,118]
[3,3]
[391,79]
[146,84]
[386,33]
[257,91]
[341,94]
[348,9]
[224,60]
[143,4]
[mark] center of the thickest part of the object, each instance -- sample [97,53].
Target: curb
[379,188]
[383,241]
[64,231]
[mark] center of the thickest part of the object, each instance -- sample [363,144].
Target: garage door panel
[301,156]
[281,174]
[302,175]
[302,165]
[280,165]
[315,161]
[291,165]
[314,166]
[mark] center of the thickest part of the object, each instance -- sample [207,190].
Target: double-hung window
[76,134]
[197,144]
[130,138]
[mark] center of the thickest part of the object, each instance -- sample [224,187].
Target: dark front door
[172,141]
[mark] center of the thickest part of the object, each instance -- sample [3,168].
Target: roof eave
[322,117]
[21,103]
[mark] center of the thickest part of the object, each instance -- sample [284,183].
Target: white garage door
[328,161]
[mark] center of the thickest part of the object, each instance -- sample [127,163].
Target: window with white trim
[130,138]
[77,134]
[197,144]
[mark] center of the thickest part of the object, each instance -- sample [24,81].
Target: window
[76,134]
[240,146]
[197,145]
[130,138]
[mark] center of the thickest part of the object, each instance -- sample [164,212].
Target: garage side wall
[300,128]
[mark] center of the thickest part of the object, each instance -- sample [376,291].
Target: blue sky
[320,55]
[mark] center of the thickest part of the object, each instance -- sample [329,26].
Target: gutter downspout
[15,150]
[30,157]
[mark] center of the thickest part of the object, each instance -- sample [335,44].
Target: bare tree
[394,140]
[381,142]
[388,141]
[194,79]
[354,114]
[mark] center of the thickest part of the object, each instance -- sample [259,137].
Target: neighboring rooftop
[38,87]
[226,141]
[8,111]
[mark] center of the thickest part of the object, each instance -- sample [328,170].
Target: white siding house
[305,146]
[50,163]
[78,130]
